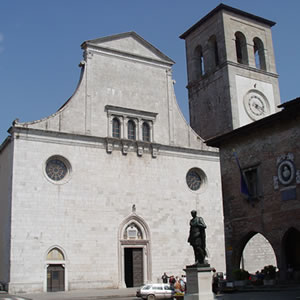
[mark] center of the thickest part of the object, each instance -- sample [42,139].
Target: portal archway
[257,253]
[55,270]
[291,253]
[134,252]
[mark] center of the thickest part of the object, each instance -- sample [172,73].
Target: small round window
[194,179]
[57,169]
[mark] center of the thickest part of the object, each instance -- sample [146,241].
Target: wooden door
[134,271]
[55,278]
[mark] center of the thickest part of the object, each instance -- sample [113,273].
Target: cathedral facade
[99,194]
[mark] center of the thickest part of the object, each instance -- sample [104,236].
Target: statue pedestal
[199,283]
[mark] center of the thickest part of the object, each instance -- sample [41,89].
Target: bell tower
[232,79]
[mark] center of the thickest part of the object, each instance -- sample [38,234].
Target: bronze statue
[197,238]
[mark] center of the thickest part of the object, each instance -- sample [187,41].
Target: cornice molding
[118,110]
[200,83]
[127,56]
[110,144]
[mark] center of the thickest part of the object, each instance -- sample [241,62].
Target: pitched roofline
[230,9]
[123,35]
[290,108]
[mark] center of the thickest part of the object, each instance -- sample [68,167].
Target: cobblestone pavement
[128,294]
[276,295]
[10,297]
[90,294]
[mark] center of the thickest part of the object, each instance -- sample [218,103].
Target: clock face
[256,105]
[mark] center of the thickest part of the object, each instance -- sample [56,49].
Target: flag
[244,186]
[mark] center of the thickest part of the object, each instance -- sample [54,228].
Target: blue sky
[40,45]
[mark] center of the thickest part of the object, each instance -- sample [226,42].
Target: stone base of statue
[198,282]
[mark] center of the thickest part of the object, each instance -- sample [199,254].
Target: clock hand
[261,108]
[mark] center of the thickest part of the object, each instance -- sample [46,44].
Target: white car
[155,291]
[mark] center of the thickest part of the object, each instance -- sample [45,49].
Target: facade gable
[126,72]
[128,43]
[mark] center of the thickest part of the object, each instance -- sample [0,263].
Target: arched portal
[55,268]
[257,253]
[291,252]
[134,253]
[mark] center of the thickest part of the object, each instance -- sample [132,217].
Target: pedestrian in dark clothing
[164,278]
[172,281]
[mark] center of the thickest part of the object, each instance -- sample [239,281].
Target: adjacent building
[266,156]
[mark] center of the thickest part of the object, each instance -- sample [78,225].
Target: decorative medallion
[286,172]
